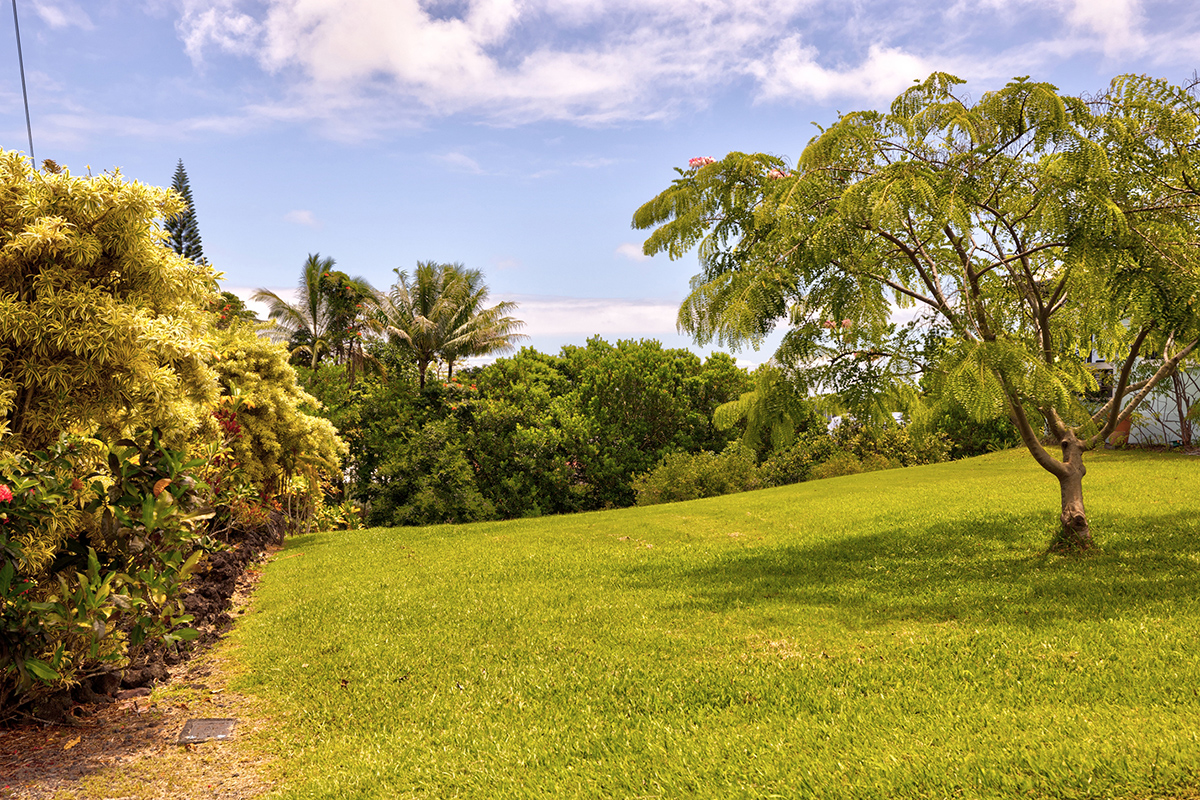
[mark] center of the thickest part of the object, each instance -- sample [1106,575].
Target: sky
[516,137]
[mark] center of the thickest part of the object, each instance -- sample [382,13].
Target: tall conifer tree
[183,234]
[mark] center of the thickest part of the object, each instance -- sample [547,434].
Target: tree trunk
[1074,534]
[1185,428]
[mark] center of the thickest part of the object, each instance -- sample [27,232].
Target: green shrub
[429,480]
[689,476]
[967,437]
[793,464]
[102,327]
[896,442]
[277,437]
[838,464]
[874,462]
[78,605]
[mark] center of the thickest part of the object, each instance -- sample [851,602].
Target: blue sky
[514,136]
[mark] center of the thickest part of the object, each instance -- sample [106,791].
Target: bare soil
[125,747]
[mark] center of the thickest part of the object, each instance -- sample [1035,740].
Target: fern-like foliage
[1032,229]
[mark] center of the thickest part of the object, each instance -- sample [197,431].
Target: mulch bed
[116,723]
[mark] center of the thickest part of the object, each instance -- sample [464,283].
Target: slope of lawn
[893,634]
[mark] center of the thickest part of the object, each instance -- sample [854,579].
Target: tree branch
[1123,383]
[1016,412]
[1165,370]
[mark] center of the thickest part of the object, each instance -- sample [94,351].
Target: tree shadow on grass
[961,570]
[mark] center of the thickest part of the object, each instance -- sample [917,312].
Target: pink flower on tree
[776,174]
[700,161]
[5,494]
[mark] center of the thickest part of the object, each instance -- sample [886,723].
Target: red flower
[5,494]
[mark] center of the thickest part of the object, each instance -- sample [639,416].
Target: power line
[25,94]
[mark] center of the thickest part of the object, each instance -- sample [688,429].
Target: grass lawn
[893,634]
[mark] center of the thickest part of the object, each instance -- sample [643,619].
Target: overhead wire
[24,93]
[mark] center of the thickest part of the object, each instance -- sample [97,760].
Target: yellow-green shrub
[277,437]
[689,476]
[102,327]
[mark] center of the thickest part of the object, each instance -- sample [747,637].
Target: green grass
[892,634]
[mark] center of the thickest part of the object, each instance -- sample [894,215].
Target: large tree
[328,315]
[1027,230]
[183,232]
[477,329]
[439,312]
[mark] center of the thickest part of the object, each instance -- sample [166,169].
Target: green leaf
[93,566]
[189,566]
[41,670]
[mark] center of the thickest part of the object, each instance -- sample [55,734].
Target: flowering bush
[95,546]
[700,161]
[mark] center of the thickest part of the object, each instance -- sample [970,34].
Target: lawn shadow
[958,570]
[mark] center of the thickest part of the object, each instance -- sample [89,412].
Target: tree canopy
[328,315]
[183,232]
[1025,230]
[438,312]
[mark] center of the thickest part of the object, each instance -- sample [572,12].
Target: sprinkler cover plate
[202,730]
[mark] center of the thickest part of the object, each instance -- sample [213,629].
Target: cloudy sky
[514,136]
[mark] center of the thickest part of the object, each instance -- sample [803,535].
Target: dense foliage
[1027,228]
[275,437]
[141,423]
[531,434]
[76,608]
[845,448]
[102,328]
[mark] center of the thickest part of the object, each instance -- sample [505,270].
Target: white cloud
[62,14]
[460,162]
[632,251]
[792,71]
[361,66]
[217,22]
[609,317]
[285,293]
[592,62]
[303,217]
[1117,22]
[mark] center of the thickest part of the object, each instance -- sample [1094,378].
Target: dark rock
[98,689]
[55,708]
[145,673]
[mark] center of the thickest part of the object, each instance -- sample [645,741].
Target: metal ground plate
[203,730]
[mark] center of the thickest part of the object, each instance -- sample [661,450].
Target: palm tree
[326,313]
[439,313]
[476,330]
